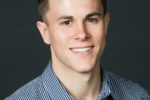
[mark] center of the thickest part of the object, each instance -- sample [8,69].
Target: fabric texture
[48,87]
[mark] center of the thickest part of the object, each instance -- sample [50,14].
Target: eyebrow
[65,17]
[89,15]
[94,14]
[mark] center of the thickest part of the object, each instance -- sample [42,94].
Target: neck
[82,86]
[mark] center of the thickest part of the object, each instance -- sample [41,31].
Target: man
[76,31]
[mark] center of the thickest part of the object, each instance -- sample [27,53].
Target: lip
[82,47]
[82,53]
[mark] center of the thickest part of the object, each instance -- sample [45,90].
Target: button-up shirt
[48,87]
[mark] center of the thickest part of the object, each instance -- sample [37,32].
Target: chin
[84,65]
[84,68]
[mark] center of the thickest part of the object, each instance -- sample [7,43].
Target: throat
[82,85]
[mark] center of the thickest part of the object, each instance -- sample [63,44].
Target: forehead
[74,5]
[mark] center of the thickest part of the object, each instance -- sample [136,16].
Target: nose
[82,32]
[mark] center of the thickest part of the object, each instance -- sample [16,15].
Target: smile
[82,49]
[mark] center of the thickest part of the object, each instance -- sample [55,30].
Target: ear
[43,28]
[107,18]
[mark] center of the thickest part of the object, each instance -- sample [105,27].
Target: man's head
[75,30]
[43,7]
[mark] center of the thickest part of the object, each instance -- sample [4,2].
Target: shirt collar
[53,85]
[58,92]
[105,91]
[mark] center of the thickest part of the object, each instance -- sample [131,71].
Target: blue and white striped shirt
[48,87]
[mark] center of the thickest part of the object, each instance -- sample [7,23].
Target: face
[76,32]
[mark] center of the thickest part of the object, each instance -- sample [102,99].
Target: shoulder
[126,87]
[28,91]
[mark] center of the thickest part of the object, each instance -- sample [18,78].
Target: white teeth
[81,49]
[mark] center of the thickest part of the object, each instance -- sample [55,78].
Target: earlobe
[42,27]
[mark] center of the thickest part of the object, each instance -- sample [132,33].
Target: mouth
[82,51]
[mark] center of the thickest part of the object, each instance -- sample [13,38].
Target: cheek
[66,33]
[60,37]
[98,34]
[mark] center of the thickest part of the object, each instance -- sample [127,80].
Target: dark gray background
[23,55]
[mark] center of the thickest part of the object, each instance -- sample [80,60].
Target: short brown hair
[43,6]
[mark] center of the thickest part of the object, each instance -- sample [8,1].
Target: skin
[76,24]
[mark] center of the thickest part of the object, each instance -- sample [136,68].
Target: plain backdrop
[24,56]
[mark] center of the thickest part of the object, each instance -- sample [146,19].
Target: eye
[66,22]
[92,20]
